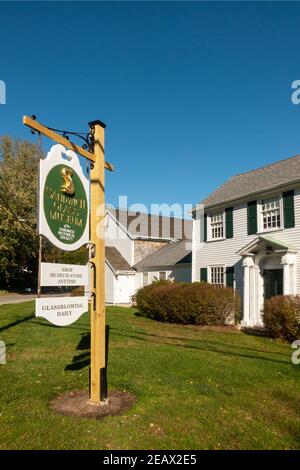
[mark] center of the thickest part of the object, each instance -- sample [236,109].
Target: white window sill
[270,230]
[215,240]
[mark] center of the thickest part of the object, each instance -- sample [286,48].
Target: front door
[273,280]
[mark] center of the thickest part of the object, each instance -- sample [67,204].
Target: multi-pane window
[217,275]
[216,225]
[145,279]
[270,213]
[162,275]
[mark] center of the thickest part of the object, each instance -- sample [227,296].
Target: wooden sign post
[98,385]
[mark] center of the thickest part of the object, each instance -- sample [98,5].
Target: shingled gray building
[173,261]
[133,238]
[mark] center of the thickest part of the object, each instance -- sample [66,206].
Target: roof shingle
[266,177]
[116,260]
[169,255]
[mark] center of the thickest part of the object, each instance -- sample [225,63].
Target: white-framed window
[145,279]
[217,225]
[271,213]
[162,275]
[217,275]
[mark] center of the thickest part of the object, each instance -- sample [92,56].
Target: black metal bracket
[87,137]
[92,125]
[93,266]
[93,298]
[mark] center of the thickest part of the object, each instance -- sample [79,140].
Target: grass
[196,388]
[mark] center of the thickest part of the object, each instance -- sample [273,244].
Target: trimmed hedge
[282,317]
[197,303]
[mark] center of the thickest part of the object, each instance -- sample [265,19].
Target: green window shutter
[203,274]
[229,276]
[229,222]
[205,227]
[288,209]
[252,217]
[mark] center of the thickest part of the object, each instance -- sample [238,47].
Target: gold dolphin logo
[68,185]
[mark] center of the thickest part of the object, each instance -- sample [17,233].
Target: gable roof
[255,181]
[116,260]
[265,239]
[169,255]
[142,225]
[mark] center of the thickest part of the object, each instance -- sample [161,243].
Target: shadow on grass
[15,323]
[81,360]
[205,346]
[204,341]
[50,325]
[255,332]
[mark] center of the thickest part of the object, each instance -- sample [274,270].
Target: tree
[18,211]
[19,241]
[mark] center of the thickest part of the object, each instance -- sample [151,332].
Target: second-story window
[217,225]
[270,213]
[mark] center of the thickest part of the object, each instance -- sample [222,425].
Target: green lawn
[196,388]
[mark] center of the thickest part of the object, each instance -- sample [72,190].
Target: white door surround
[261,254]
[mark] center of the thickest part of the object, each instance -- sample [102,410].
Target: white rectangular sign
[55,274]
[61,311]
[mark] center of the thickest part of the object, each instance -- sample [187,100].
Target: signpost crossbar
[33,124]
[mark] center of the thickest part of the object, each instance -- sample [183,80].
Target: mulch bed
[77,404]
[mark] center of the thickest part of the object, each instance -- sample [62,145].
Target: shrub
[189,303]
[282,317]
[77,291]
[142,298]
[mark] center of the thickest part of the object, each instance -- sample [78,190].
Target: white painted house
[249,236]
[132,237]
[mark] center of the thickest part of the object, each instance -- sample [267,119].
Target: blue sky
[192,92]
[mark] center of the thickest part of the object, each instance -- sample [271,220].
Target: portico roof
[255,244]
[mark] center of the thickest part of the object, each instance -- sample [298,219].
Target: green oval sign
[65,204]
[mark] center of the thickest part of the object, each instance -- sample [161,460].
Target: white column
[286,279]
[288,262]
[259,297]
[255,297]
[246,313]
[247,263]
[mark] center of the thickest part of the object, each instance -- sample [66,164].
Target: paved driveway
[15,298]
[18,298]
